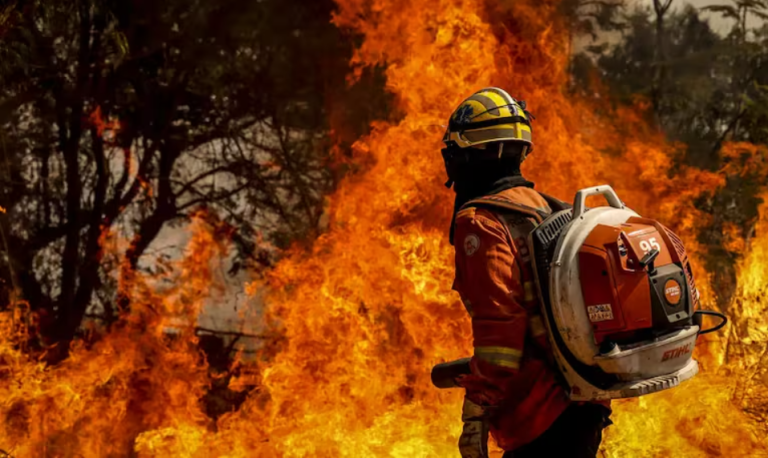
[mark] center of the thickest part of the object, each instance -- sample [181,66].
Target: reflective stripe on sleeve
[500,356]
[537,325]
[528,288]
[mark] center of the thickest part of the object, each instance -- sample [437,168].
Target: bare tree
[133,115]
[660,7]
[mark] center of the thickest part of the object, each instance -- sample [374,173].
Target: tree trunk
[149,229]
[657,91]
[71,255]
[89,269]
[88,274]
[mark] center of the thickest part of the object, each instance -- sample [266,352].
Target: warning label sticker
[602,312]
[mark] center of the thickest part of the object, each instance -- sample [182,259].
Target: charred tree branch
[71,254]
[232,333]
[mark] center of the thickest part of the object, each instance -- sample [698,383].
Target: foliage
[591,17]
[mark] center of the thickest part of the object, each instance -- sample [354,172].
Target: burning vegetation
[360,314]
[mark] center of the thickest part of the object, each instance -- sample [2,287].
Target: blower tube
[444,375]
[698,320]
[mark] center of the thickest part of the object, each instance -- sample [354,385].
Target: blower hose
[698,320]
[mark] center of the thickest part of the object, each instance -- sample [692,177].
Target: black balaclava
[484,178]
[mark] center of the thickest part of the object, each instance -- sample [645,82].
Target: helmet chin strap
[448,159]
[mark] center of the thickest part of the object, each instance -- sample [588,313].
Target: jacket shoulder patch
[471,244]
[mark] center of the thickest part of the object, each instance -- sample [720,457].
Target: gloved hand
[473,442]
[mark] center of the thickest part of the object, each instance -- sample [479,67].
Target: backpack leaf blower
[618,298]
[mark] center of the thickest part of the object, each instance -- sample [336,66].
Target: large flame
[368,310]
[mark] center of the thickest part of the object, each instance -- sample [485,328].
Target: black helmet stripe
[490,106]
[455,125]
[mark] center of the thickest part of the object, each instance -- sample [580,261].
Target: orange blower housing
[624,301]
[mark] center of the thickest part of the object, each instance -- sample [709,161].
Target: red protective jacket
[510,367]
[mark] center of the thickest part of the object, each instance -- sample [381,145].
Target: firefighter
[513,390]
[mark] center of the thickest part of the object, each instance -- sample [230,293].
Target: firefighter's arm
[490,279]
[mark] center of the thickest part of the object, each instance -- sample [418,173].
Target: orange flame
[96,119]
[368,310]
[101,398]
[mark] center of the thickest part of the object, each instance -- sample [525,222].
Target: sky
[718,23]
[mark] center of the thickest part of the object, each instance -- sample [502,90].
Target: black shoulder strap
[555,204]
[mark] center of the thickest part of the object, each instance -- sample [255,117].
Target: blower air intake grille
[545,241]
[680,248]
[550,229]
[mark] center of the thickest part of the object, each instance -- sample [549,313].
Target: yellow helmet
[490,115]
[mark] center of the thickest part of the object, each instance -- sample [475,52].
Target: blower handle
[697,320]
[648,260]
[444,375]
[581,197]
